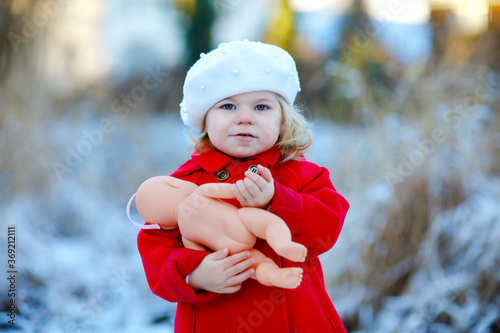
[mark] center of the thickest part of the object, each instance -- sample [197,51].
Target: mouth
[244,135]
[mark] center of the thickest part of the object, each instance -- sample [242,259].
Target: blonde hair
[294,139]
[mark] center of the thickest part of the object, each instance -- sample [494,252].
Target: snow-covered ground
[77,260]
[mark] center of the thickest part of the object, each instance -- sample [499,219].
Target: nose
[244,116]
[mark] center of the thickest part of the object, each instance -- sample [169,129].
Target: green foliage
[199,32]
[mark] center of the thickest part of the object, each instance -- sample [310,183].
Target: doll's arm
[216,191]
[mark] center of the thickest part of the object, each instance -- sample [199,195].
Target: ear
[171,181]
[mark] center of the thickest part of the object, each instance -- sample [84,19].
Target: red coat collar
[214,160]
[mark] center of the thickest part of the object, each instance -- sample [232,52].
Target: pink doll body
[204,220]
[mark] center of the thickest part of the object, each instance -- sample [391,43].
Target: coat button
[222,175]
[253,168]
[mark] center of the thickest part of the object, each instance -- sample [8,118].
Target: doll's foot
[292,251]
[288,278]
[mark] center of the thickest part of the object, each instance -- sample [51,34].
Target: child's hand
[223,274]
[255,190]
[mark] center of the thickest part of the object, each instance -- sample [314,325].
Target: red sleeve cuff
[175,270]
[288,205]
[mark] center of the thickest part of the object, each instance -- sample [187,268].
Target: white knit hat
[235,68]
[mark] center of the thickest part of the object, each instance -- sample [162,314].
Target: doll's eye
[228,106]
[261,107]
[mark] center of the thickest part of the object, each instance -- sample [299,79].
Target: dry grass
[417,255]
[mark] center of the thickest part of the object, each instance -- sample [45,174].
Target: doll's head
[157,199]
[254,84]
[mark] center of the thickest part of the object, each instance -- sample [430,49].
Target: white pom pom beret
[235,68]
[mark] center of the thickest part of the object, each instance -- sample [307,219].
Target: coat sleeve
[167,263]
[315,213]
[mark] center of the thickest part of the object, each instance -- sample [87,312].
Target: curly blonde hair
[294,139]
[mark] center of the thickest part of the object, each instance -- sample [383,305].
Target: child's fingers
[243,191]
[218,255]
[265,173]
[240,267]
[257,180]
[240,278]
[230,289]
[252,188]
[238,195]
[234,259]
[263,180]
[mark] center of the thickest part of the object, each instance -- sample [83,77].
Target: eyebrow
[265,99]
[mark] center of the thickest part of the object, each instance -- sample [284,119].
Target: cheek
[212,135]
[211,127]
[272,130]
[215,130]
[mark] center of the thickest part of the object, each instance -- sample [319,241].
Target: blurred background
[404,97]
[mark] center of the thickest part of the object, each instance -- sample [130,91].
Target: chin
[244,152]
[240,155]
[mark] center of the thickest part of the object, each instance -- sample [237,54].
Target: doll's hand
[255,190]
[223,274]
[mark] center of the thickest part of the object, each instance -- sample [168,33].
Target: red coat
[307,201]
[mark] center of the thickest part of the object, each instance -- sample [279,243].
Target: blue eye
[228,107]
[261,107]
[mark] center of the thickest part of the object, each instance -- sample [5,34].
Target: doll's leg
[269,274]
[274,230]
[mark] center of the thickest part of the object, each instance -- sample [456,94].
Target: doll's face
[245,125]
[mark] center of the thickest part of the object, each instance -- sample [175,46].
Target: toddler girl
[240,98]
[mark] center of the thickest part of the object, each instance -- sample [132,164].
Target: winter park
[403,98]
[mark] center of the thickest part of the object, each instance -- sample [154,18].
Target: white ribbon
[142,226]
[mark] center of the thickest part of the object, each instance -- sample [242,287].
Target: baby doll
[203,220]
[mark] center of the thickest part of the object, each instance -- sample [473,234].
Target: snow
[79,268]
